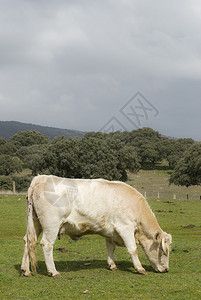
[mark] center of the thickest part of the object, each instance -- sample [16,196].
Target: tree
[28,138]
[146,141]
[9,164]
[126,154]
[106,156]
[8,148]
[60,158]
[2,141]
[188,170]
[5,183]
[30,156]
[172,149]
[96,159]
[95,155]
[168,150]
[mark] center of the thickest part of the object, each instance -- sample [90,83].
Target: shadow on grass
[73,266]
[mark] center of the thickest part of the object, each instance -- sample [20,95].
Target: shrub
[22,183]
[6,183]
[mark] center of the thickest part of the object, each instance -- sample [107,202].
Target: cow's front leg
[47,243]
[136,262]
[127,234]
[110,250]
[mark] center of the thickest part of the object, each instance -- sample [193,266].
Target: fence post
[13,187]
[187,197]
[158,195]
[174,196]
[145,194]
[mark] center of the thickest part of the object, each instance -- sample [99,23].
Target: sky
[102,65]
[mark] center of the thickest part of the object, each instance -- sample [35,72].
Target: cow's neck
[148,224]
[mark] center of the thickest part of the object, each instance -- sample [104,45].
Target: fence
[165,192]
[13,191]
[173,196]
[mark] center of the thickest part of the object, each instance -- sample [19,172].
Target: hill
[9,128]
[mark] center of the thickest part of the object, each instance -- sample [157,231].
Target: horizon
[83,132]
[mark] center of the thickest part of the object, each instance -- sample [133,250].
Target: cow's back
[88,197]
[103,197]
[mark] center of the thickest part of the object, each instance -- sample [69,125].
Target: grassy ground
[83,263]
[156,183]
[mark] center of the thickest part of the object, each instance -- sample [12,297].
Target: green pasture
[83,266]
[156,184]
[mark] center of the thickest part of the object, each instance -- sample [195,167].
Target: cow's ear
[157,236]
[165,246]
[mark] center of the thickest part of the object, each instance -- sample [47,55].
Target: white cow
[77,207]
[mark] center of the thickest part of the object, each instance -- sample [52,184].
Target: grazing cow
[78,207]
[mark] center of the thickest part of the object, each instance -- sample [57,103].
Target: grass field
[156,183]
[83,265]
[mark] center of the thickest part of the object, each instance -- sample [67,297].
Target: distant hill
[9,128]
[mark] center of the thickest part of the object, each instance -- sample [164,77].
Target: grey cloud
[74,64]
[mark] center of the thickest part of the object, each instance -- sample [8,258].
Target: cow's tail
[31,230]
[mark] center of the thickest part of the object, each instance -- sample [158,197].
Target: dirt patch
[62,249]
[189,226]
[164,211]
[183,250]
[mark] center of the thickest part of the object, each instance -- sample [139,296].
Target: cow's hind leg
[47,243]
[110,250]
[127,234]
[25,260]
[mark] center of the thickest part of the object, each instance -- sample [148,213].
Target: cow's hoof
[112,267]
[25,273]
[142,272]
[57,275]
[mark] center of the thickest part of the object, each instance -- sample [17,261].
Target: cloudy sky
[102,65]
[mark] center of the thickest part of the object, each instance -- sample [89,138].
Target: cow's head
[157,250]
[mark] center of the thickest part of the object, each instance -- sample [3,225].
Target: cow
[77,207]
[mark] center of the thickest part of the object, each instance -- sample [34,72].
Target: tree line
[98,154]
